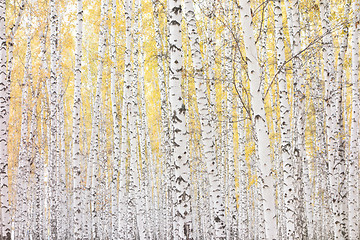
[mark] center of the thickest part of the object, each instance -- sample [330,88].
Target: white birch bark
[5,219]
[134,211]
[243,180]
[5,108]
[342,169]
[76,158]
[179,134]
[138,191]
[353,177]
[35,133]
[299,118]
[61,154]
[124,125]
[243,206]
[94,148]
[332,128]
[35,181]
[53,121]
[144,138]
[229,121]
[165,132]
[263,141]
[288,164]
[207,125]
[44,169]
[22,206]
[116,131]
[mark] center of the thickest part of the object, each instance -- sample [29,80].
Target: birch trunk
[5,108]
[53,121]
[353,177]
[179,134]
[165,147]
[94,148]
[5,218]
[207,125]
[76,158]
[288,164]
[140,199]
[332,128]
[61,181]
[124,122]
[263,142]
[22,212]
[342,169]
[116,131]
[43,170]
[144,138]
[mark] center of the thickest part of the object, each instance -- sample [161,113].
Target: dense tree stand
[181,120]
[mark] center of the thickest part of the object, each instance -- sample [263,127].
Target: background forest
[169,119]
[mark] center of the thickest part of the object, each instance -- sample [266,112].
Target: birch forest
[179,119]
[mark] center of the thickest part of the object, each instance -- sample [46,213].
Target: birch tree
[332,129]
[288,168]
[178,126]
[116,130]
[123,195]
[207,125]
[4,123]
[258,115]
[53,97]
[22,205]
[5,108]
[94,148]
[354,144]
[76,128]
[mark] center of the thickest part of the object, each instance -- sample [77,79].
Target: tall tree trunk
[207,125]
[116,131]
[259,118]
[22,206]
[299,120]
[288,164]
[94,148]
[53,121]
[77,186]
[353,165]
[5,81]
[179,134]
[124,125]
[5,219]
[342,169]
[43,168]
[332,128]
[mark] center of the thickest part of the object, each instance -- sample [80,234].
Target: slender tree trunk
[116,130]
[259,118]
[288,164]
[94,148]
[353,165]
[342,169]
[123,224]
[22,206]
[165,146]
[44,169]
[53,121]
[5,81]
[207,125]
[332,128]
[61,155]
[5,219]
[179,134]
[77,202]
[144,138]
